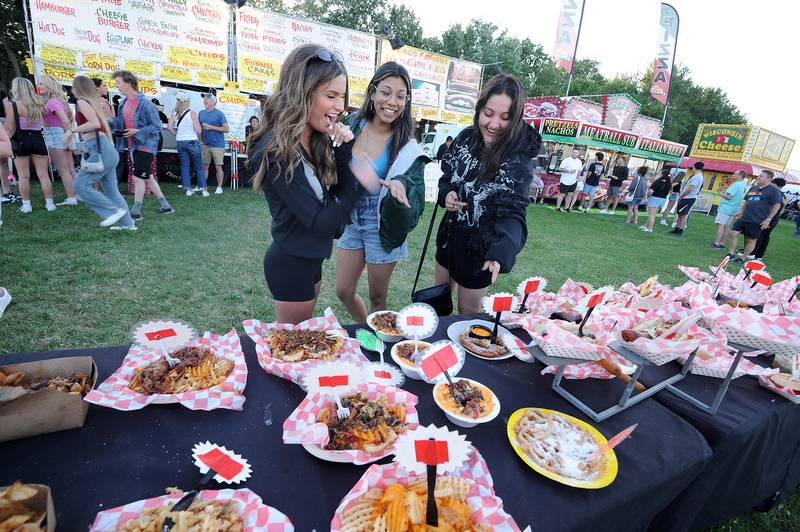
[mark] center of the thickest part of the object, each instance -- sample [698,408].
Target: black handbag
[16,141]
[438,296]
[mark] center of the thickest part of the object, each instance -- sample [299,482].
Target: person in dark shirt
[443,149]
[763,238]
[618,176]
[594,172]
[677,181]
[250,127]
[308,183]
[484,188]
[760,206]
[656,198]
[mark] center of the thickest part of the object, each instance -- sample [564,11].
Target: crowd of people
[358,180]
[752,212]
[47,126]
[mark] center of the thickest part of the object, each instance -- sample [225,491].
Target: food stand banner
[665,54]
[95,37]
[264,39]
[647,127]
[621,110]
[543,106]
[724,142]
[661,147]
[583,111]
[567,35]
[439,82]
[557,128]
[609,136]
[768,149]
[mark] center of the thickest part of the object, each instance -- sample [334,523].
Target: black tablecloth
[755,436]
[119,457]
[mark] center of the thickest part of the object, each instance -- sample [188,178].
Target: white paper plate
[408,371]
[455,330]
[391,338]
[324,454]
[463,421]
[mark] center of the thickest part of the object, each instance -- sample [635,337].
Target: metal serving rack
[628,398]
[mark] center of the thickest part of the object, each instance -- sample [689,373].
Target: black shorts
[748,229]
[29,142]
[566,189]
[142,164]
[466,250]
[685,206]
[291,278]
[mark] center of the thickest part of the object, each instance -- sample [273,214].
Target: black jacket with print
[492,226]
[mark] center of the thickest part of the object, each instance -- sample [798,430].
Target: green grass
[76,285]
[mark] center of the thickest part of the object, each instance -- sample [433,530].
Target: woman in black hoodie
[484,188]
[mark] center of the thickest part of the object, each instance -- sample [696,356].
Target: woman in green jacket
[376,235]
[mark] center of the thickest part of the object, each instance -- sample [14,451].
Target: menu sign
[264,39]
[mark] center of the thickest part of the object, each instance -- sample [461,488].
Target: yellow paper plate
[600,482]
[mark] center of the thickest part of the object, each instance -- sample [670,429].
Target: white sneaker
[205,193]
[68,201]
[5,299]
[189,192]
[218,191]
[50,207]
[120,228]
[196,189]
[603,211]
[674,225]
[663,222]
[25,209]
[114,218]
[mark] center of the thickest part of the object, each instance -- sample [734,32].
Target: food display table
[755,437]
[119,457]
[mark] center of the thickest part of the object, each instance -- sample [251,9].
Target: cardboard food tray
[41,502]
[45,411]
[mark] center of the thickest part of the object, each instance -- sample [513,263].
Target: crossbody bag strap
[181,118]
[425,247]
[16,115]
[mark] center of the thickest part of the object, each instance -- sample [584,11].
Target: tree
[403,22]
[13,41]
[278,6]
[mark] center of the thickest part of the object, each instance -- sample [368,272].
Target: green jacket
[395,220]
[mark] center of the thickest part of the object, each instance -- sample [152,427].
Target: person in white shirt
[186,127]
[689,192]
[570,167]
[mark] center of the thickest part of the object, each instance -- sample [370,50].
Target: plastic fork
[342,412]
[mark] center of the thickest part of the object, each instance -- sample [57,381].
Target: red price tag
[220,462]
[160,335]
[754,265]
[334,380]
[415,321]
[383,375]
[762,279]
[596,300]
[532,286]
[443,359]
[431,452]
[502,304]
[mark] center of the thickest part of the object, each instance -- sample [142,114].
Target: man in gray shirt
[689,192]
[761,203]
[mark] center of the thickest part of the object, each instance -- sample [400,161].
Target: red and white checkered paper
[256,516]
[572,292]
[302,427]
[487,508]
[790,394]
[540,303]
[294,371]
[699,276]
[786,288]
[114,392]
[772,328]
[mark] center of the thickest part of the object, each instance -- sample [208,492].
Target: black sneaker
[137,216]
[717,246]
[568,210]
[165,210]
[558,209]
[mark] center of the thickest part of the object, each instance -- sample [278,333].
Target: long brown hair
[286,114]
[83,89]
[498,151]
[403,126]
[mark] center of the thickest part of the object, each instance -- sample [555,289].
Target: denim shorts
[589,190]
[54,137]
[655,203]
[673,196]
[636,202]
[362,233]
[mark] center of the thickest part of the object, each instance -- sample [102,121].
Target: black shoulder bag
[16,141]
[438,296]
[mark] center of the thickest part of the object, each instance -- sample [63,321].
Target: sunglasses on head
[326,55]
